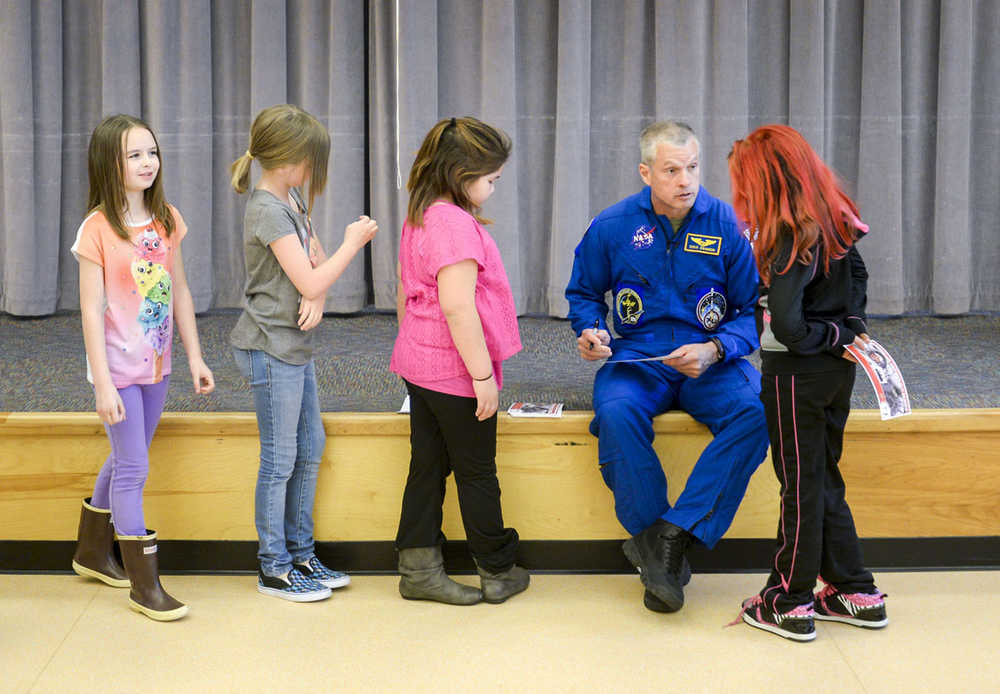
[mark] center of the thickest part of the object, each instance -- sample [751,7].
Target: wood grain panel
[935,473]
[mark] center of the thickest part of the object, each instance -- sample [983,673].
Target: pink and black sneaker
[796,624]
[860,609]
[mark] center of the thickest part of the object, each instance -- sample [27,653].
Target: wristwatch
[719,349]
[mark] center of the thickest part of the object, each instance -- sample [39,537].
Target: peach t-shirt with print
[138,313]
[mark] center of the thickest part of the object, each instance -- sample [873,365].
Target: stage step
[933,474]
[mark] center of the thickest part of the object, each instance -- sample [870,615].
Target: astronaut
[683,284]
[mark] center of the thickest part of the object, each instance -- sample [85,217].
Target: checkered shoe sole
[324,575]
[297,588]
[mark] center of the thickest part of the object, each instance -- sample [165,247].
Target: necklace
[131,222]
[137,240]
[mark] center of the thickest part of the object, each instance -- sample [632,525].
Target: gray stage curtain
[197,71]
[900,97]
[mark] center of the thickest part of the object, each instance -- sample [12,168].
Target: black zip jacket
[806,317]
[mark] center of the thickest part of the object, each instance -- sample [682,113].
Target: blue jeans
[291,446]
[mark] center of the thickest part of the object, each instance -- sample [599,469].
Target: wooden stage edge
[924,489]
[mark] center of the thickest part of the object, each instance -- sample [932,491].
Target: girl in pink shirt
[132,287]
[457,323]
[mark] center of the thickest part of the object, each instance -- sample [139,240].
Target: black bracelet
[481,379]
[719,349]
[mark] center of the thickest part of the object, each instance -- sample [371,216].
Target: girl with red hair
[813,293]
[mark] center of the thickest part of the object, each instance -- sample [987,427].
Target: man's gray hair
[672,132]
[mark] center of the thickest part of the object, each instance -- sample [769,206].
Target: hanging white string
[399,174]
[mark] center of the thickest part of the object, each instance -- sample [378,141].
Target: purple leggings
[120,482]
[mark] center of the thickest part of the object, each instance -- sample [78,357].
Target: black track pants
[806,414]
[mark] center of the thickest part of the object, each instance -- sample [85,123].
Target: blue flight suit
[670,289]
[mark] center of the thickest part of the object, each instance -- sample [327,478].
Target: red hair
[781,186]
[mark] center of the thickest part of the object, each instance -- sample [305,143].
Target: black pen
[597,326]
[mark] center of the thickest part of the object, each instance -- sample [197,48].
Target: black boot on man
[658,552]
[654,603]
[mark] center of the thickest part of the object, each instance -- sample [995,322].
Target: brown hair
[106,171]
[454,153]
[283,135]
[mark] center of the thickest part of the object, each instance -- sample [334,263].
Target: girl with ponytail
[288,275]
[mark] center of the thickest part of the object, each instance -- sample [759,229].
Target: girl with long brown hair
[132,287]
[813,293]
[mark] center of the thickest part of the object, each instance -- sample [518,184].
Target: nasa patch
[642,238]
[628,305]
[711,309]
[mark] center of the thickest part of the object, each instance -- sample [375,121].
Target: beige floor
[566,634]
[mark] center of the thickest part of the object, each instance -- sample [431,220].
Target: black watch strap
[719,349]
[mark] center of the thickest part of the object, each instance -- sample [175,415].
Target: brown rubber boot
[422,577]
[499,586]
[147,595]
[95,540]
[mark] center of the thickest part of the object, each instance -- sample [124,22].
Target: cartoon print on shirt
[153,283]
[151,246]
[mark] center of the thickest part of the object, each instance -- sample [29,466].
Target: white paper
[885,377]
[612,359]
[534,409]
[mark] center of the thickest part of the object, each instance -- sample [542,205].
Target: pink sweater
[424,353]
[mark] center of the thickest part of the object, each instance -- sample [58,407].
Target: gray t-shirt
[269,321]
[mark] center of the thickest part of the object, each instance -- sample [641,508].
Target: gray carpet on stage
[947,363]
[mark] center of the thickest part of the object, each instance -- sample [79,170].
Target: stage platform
[925,489]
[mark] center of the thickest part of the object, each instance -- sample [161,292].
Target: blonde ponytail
[239,173]
[281,135]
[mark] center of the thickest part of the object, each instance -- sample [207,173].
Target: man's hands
[692,360]
[593,344]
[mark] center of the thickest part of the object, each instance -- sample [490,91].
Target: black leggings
[445,436]
[806,414]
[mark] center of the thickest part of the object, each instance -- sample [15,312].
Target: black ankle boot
[654,603]
[658,552]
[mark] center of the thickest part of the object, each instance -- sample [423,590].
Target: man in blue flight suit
[684,284]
